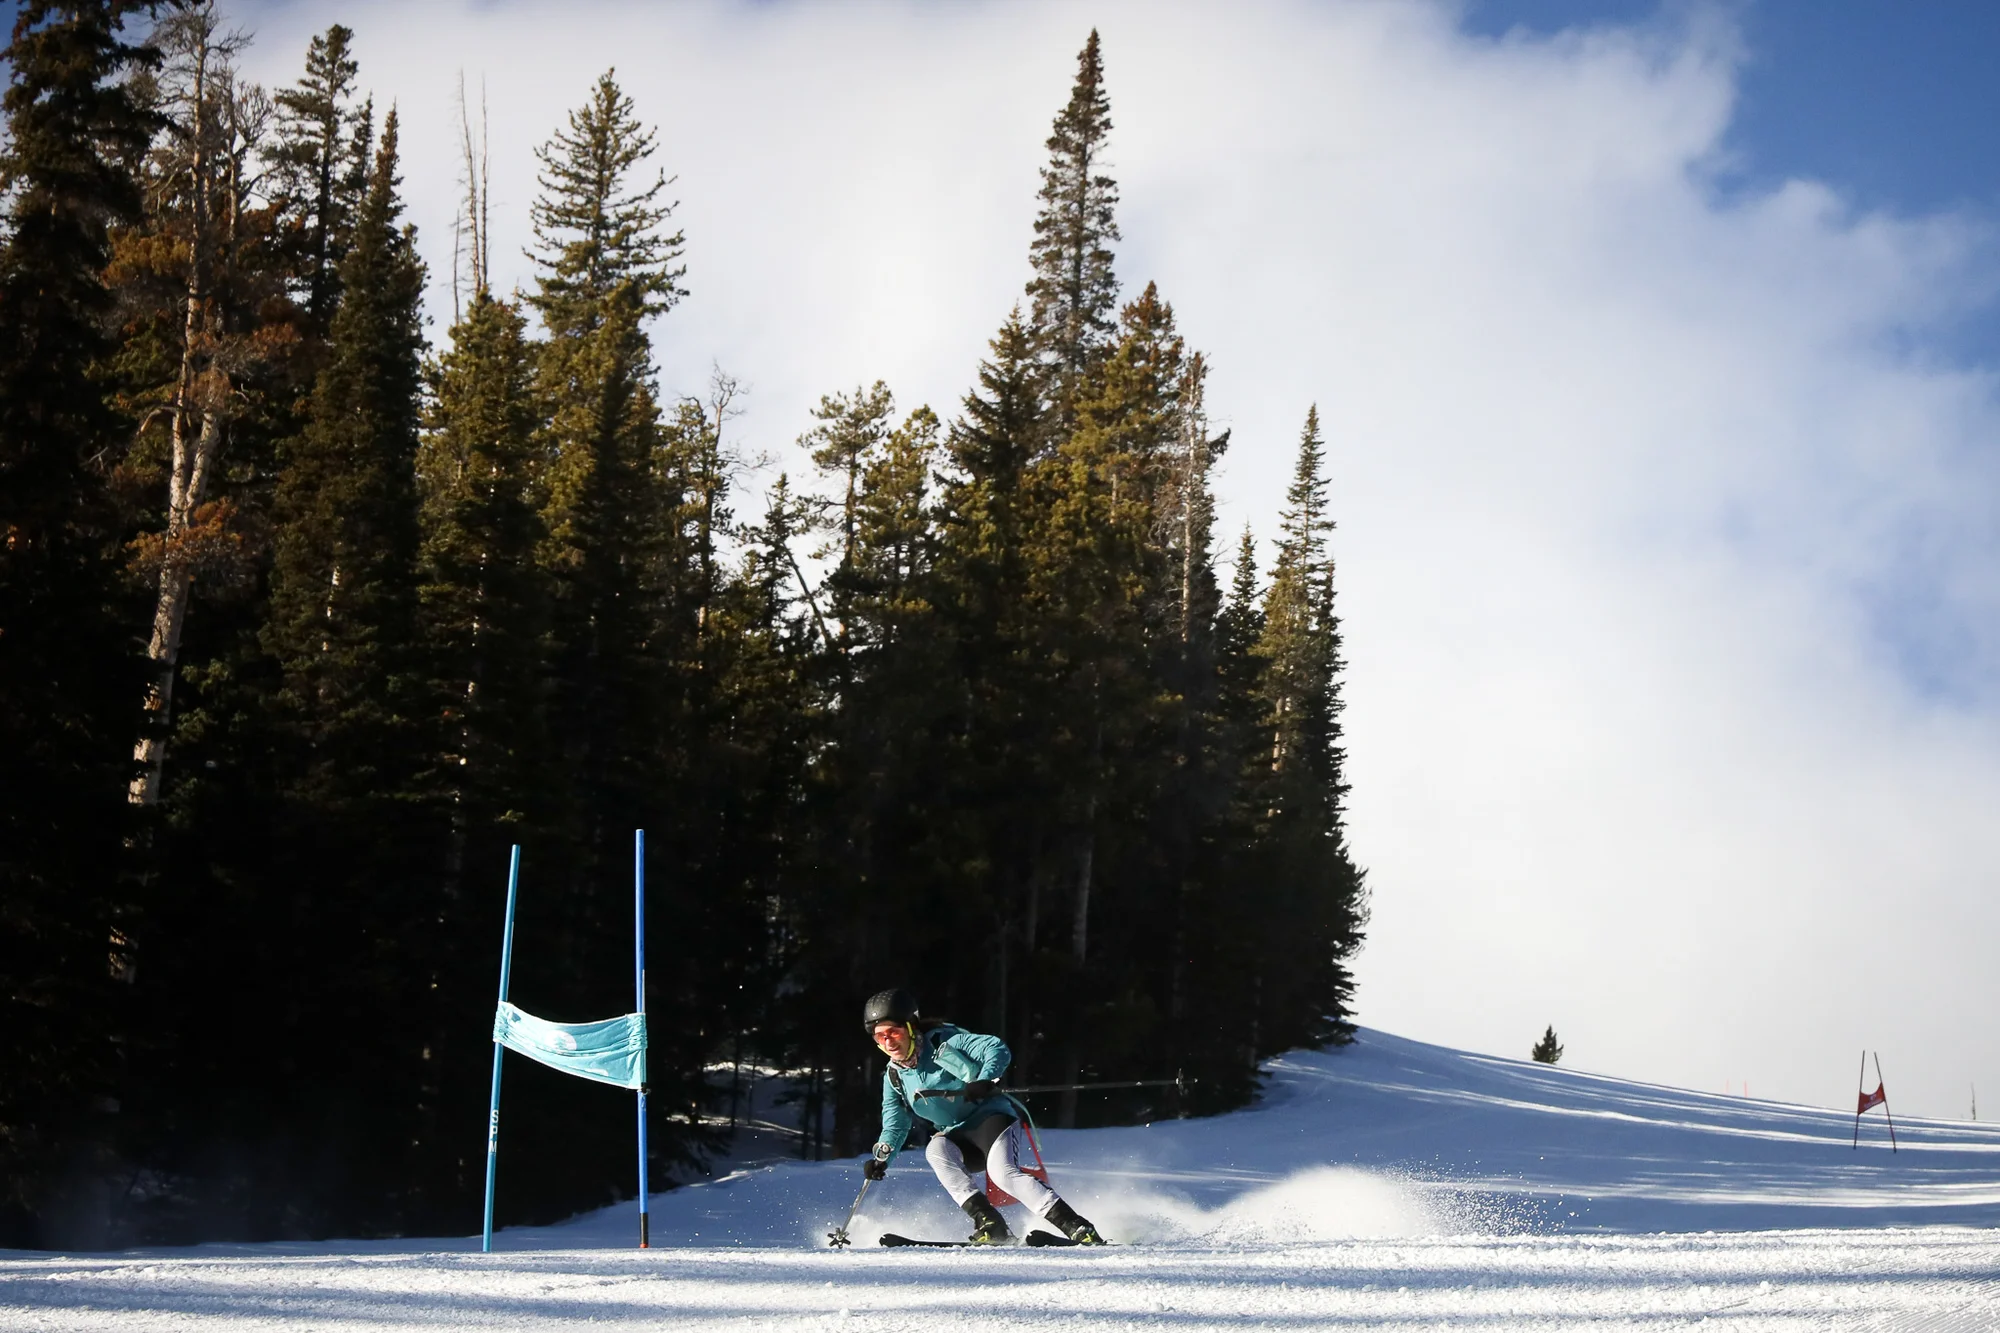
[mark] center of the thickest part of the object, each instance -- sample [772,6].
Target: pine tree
[1074,294]
[994,803]
[343,586]
[1186,512]
[483,597]
[895,537]
[320,167]
[1300,636]
[68,676]
[1221,989]
[1314,919]
[605,265]
[1548,1050]
[601,231]
[850,434]
[1090,564]
[695,464]
[359,847]
[622,645]
[765,732]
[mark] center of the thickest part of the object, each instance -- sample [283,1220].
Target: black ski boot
[988,1227]
[1078,1229]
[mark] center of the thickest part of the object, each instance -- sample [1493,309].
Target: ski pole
[837,1237]
[1067,1087]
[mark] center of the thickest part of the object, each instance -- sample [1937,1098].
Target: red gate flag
[1879,1097]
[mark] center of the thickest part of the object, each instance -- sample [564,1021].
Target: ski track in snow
[1391,1185]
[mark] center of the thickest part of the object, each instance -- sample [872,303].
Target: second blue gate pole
[639,950]
[493,1118]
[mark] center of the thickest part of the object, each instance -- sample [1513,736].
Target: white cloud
[1667,552]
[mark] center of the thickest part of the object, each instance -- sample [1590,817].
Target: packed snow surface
[1387,1185]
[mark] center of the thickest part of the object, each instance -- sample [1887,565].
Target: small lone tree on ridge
[1548,1050]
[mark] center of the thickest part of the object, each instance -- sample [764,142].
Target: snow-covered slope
[1388,1183]
[1447,1141]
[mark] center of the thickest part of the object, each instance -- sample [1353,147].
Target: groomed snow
[1388,1185]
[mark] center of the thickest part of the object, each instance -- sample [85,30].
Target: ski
[1035,1239]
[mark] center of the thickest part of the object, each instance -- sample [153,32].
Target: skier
[973,1124]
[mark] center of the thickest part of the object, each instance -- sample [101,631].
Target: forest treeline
[304,620]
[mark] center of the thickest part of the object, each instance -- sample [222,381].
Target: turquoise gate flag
[613,1051]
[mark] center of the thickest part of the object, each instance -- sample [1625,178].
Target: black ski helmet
[895,1006]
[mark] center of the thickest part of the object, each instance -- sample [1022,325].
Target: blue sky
[1895,105]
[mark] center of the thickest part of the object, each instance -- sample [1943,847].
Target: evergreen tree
[357,850]
[1074,294]
[1222,981]
[1548,1050]
[1300,641]
[1186,512]
[344,582]
[605,265]
[850,434]
[320,167]
[622,642]
[996,797]
[695,464]
[65,655]
[483,597]
[481,615]
[599,227]
[1318,902]
[764,738]
[895,537]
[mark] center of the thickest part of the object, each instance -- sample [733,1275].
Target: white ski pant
[1003,1168]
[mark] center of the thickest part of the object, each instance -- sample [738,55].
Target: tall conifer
[359,856]
[605,264]
[344,583]
[483,597]
[1074,294]
[65,632]
[1318,908]
[622,638]
[845,444]
[321,165]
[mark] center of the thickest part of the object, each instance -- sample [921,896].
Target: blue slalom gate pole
[493,1120]
[639,952]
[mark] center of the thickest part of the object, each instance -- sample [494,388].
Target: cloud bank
[1668,541]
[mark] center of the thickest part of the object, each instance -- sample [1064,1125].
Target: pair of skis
[838,1237]
[1034,1239]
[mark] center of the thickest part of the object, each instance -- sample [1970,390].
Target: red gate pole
[1859,1079]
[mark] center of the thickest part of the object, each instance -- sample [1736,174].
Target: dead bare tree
[200,179]
[472,224]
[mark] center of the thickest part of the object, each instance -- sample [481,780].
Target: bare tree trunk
[1191,433]
[710,475]
[1079,938]
[170,610]
[1080,925]
[189,479]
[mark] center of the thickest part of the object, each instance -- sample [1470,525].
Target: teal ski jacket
[948,1058]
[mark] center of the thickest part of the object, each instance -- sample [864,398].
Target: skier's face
[894,1039]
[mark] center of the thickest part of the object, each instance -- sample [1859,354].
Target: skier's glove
[875,1168]
[980,1089]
